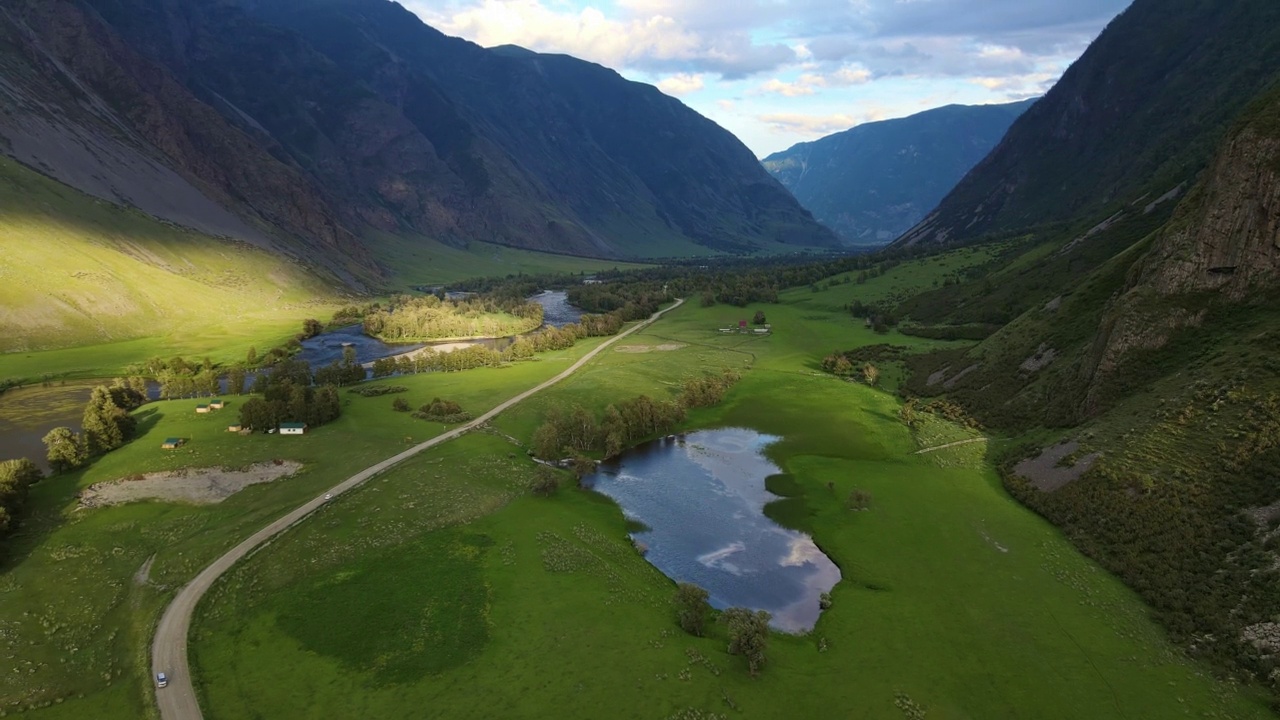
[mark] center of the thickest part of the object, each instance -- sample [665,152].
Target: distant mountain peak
[873,182]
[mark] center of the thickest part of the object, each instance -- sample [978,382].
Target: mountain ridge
[875,181]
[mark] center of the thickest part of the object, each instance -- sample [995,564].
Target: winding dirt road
[169,648]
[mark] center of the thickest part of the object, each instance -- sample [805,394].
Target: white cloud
[681,84]
[807,125]
[809,83]
[653,41]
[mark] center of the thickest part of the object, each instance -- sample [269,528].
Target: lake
[701,498]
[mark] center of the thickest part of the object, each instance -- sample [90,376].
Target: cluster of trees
[106,425]
[429,317]
[182,378]
[287,395]
[568,432]
[16,476]
[840,365]
[708,390]
[524,348]
[428,360]
[881,319]
[748,630]
[443,411]
[340,373]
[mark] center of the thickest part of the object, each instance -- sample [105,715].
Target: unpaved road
[950,445]
[169,648]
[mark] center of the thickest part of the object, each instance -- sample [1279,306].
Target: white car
[328,496]
[161,680]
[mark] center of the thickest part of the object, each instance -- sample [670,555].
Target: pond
[701,498]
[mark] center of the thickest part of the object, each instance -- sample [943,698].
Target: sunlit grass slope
[78,271]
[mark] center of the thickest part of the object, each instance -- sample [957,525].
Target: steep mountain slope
[625,159]
[85,108]
[1138,115]
[1149,346]
[874,182]
[409,131]
[79,271]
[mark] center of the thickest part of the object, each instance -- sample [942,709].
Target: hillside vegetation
[1144,340]
[79,271]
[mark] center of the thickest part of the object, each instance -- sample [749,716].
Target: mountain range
[875,181]
[308,128]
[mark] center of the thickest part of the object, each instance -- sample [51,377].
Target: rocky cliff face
[1222,247]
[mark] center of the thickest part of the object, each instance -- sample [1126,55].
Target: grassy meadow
[417,261]
[76,615]
[443,585]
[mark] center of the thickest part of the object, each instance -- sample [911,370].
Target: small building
[202,409]
[216,404]
[171,443]
[742,326]
[726,330]
[293,428]
[761,331]
[234,428]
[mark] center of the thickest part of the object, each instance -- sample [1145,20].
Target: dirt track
[169,647]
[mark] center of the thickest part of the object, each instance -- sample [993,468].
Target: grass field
[421,261]
[76,622]
[478,600]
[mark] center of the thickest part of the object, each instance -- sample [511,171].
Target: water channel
[701,498]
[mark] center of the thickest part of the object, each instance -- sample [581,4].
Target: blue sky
[777,72]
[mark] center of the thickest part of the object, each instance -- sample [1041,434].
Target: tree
[908,412]
[311,328]
[251,357]
[871,374]
[545,483]
[546,441]
[758,318]
[400,405]
[858,500]
[15,477]
[236,380]
[692,608]
[748,635]
[65,449]
[106,425]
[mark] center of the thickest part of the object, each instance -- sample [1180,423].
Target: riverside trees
[575,430]
[287,395]
[16,476]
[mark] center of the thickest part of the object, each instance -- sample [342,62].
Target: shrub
[545,483]
[692,608]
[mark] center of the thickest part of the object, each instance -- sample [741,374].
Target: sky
[778,72]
